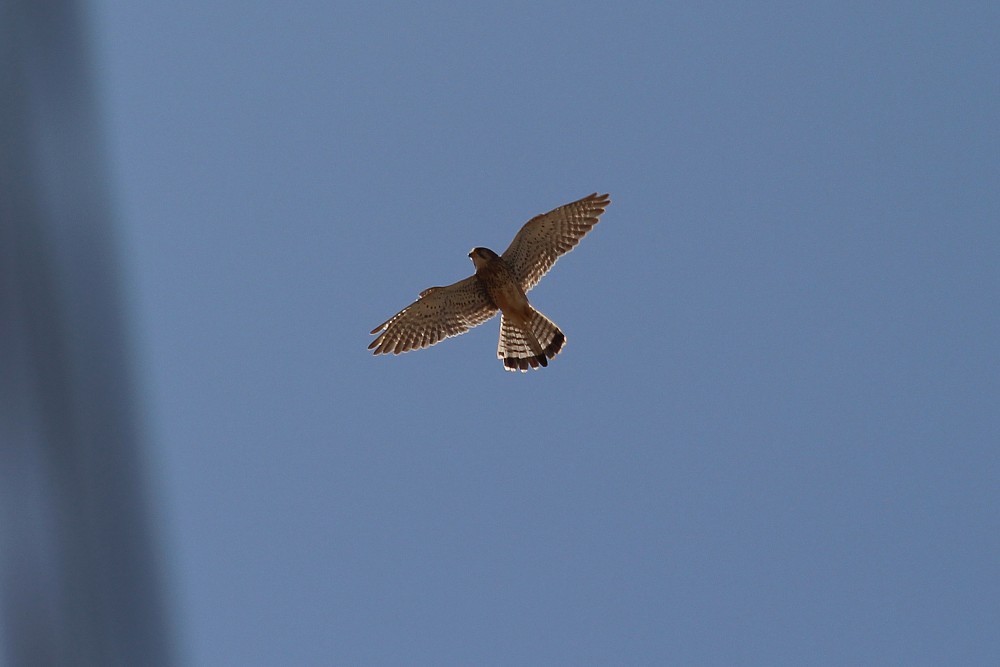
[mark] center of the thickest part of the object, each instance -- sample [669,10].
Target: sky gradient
[772,435]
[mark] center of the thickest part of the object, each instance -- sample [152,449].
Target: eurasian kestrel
[527,338]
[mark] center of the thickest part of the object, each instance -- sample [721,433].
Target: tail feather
[523,347]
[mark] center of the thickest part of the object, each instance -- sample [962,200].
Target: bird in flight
[528,339]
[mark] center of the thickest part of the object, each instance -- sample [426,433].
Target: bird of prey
[528,339]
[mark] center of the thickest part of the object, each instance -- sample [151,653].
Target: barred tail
[529,347]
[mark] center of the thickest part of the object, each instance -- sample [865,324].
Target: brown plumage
[528,339]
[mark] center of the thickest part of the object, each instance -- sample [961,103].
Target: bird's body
[500,284]
[522,328]
[528,339]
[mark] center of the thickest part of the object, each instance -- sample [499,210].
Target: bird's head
[481,257]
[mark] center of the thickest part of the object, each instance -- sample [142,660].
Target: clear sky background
[772,437]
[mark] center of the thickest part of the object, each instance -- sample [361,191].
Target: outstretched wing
[440,312]
[545,237]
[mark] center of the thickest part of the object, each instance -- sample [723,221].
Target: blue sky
[772,435]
